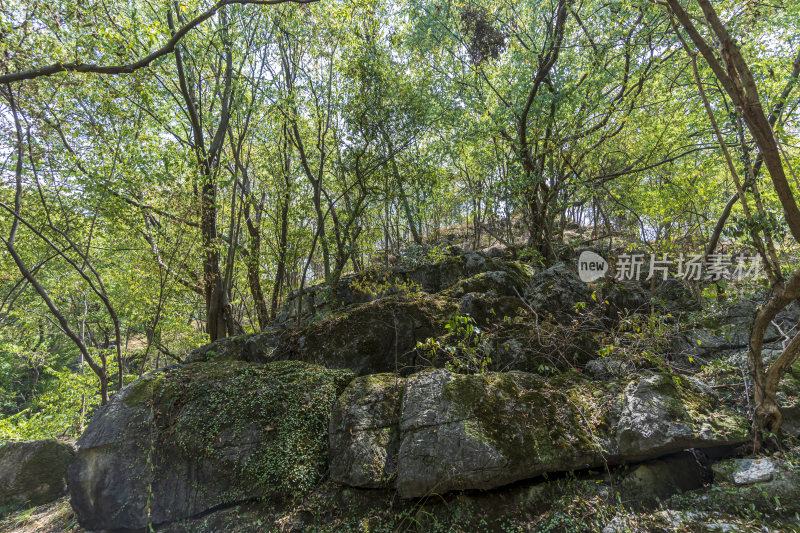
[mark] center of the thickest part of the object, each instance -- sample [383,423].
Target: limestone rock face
[363,432]
[556,290]
[182,441]
[662,414]
[372,338]
[256,348]
[33,472]
[459,432]
[373,284]
[511,281]
[383,314]
[745,471]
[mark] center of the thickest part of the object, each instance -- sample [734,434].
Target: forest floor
[53,517]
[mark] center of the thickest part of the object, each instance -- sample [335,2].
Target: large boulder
[458,432]
[377,337]
[376,283]
[181,441]
[623,298]
[363,432]
[672,296]
[556,291]
[430,277]
[252,348]
[487,309]
[662,413]
[383,314]
[33,472]
[510,281]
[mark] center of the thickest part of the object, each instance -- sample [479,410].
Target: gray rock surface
[33,472]
[373,284]
[744,471]
[179,442]
[363,432]
[377,337]
[255,348]
[556,291]
[659,415]
[779,495]
[460,432]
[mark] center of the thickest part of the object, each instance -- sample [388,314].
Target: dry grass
[54,517]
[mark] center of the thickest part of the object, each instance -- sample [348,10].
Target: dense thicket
[173,172]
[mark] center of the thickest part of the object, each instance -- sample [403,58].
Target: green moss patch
[523,416]
[376,337]
[266,423]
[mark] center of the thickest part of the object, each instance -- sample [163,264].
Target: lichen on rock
[33,472]
[364,434]
[187,439]
[482,431]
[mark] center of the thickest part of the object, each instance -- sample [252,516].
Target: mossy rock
[510,280]
[33,472]
[181,441]
[377,337]
[557,291]
[363,432]
[482,431]
[253,348]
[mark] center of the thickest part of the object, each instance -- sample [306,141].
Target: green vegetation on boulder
[376,337]
[187,439]
[33,472]
[482,431]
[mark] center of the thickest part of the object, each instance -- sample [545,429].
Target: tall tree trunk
[737,80]
[254,270]
[283,238]
[219,316]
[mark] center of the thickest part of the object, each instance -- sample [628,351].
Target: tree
[735,76]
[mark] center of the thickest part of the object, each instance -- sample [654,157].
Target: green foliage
[532,256]
[62,409]
[415,255]
[465,346]
[641,339]
[287,403]
[378,281]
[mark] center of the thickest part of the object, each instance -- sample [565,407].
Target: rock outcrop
[363,432]
[184,440]
[256,348]
[556,291]
[377,337]
[373,284]
[254,421]
[383,314]
[33,472]
[457,432]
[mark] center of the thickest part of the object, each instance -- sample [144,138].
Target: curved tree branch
[167,48]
